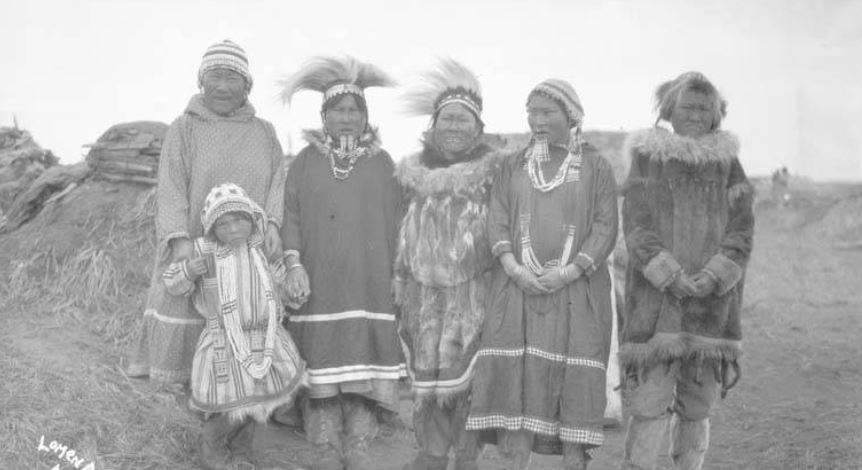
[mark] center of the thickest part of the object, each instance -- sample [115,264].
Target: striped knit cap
[563,93]
[225,55]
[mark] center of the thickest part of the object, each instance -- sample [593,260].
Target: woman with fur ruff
[688,223]
[441,268]
[342,208]
[552,223]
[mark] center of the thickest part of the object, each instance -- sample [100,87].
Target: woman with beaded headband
[443,261]
[342,207]
[552,222]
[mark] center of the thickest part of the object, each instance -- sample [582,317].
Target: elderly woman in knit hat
[552,222]
[342,207]
[216,140]
[443,261]
[688,223]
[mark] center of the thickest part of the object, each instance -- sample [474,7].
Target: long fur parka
[687,206]
[442,264]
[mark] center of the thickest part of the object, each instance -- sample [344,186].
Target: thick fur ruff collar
[663,145]
[370,139]
[459,178]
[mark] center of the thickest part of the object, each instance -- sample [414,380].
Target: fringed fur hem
[666,347]
[260,411]
[441,398]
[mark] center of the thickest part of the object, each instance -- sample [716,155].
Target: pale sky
[791,70]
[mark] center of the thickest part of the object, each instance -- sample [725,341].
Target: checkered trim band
[536,425]
[516,352]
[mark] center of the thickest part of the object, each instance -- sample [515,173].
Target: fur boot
[689,441]
[643,441]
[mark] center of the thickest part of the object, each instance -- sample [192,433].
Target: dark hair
[668,94]
[433,122]
[360,103]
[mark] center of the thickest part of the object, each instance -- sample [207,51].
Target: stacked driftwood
[31,180]
[128,152]
[22,161]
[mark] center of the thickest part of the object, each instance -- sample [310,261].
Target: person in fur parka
[688,224]
[442,261]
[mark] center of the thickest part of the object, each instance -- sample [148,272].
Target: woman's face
[233,228]
[548,120]
[693,115]
[344,117]
[455,130]
[224,91]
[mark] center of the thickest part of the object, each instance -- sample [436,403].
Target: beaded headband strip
[460,98]
[341,89]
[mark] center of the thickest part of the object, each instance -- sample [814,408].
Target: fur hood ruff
[663,145]
[459,178]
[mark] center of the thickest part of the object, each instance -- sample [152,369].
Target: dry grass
[77,278]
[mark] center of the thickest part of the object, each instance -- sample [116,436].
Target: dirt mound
[842,223]
[90,253]
[128,152]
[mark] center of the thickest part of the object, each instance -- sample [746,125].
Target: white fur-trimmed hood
[458,178]
[663,145]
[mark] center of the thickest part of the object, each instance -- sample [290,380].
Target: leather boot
[689,441]
[360,428]
[213,450]
[323,427]
[575,457]
[427,462]
[240,443]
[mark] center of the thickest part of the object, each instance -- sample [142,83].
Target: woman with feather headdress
[443,261]
[342,207]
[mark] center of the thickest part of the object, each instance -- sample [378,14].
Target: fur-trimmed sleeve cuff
[725,270]
[661,269]
[502,246]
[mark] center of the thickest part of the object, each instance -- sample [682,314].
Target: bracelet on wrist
[294,266]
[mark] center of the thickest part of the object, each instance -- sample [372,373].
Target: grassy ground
[73,282]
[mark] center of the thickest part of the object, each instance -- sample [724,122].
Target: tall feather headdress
[449,82]
[334,76]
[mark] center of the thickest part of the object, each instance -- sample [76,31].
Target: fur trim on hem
[665,347]
[425,397]
[458,178]
[370,139]
[663,145]
[261,411]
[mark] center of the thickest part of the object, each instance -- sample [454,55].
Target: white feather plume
[448,76]
[321,72]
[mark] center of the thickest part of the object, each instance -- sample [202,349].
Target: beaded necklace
[569,170]
[343,159]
